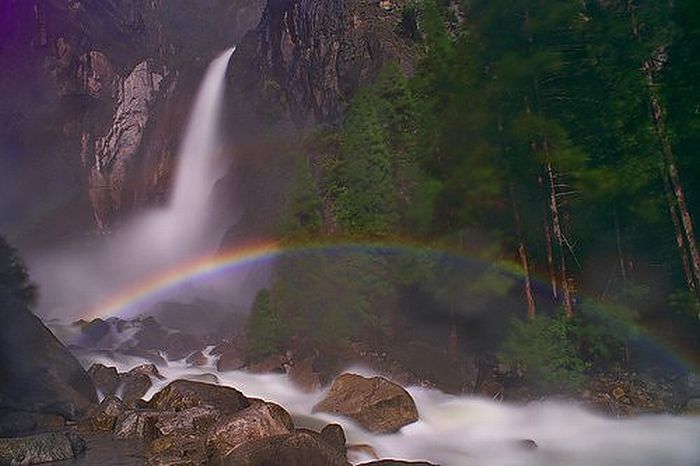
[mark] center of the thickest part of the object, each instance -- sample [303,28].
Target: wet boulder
[103,417]
[375,403]
[276,363]
[230,360]
[106,379]
[183,394]
[334,435]
[41,448]
[137,424]
[134,385]
[300,448]
[197,359]
[197,420]
[148,369]
[304,377]
[177,450]
[259,420]
[179,345]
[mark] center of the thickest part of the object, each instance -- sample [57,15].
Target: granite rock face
[115,151]
[306,59]
[96,94]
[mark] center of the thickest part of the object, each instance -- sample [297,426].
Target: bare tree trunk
[672,169]
[559,236]
[620,256]
[548,247]
[680,240]
[677,198]
[524,261]
[522,248]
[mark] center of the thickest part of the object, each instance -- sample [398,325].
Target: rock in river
[375,403]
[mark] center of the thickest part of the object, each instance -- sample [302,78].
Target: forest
[555,143]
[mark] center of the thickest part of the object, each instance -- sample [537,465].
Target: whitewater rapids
[469,430]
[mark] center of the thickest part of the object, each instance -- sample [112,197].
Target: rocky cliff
[293,74]
[307,58]
[94,94]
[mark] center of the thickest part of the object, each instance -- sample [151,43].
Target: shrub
[542,345]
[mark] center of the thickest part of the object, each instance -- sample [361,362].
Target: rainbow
[198,269]
[149,291]
[227,261]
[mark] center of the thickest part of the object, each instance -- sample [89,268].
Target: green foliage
[330,297]
[14,278]
[266,330]
[543,346]
[303,212]
[684,305]
[460,153]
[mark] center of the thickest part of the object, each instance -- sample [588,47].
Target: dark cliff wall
[307,58]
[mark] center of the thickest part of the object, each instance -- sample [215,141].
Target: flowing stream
[468,430]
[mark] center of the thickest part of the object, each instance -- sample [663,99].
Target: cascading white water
[74,281]
[197,168]
[473,431]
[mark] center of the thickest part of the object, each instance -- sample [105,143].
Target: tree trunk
[522,248]
[558,236]
[677,198]
[524,261]
[680,240]
[620,256]
[548,247]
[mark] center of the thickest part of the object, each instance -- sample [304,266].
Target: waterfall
[197,168]
[73,281]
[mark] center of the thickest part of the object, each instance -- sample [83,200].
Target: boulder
[137,424]
[177,450]
[302,374]
[103,417]
[106,379]
[42,448]
[259,420]
[230,360]
[148,369]
[178,345]
[183,394]
[375,403]
[276,363]
[334,435]
[197,359]
[38,373]
[196,420]
[300,448]
[134,386]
